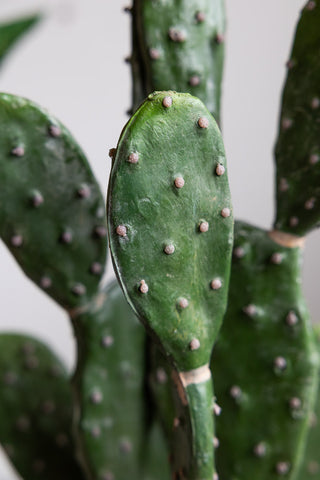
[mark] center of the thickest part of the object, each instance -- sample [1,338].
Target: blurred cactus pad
[199,361]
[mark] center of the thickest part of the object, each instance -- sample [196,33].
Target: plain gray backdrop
[73,64]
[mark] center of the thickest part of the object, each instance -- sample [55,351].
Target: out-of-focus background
[73,64]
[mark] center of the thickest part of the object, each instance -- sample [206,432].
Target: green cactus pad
[298,147]
[168,201]
[109,385]
[51,208]
[167,204]
[264,363]
[10,32]
[35,410]
[181,47]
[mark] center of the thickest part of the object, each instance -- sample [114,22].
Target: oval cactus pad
[170,223]
[298,146]
[51,208]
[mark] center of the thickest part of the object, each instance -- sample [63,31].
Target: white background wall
[72,63]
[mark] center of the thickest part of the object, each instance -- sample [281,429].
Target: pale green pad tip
[298,147]
[35,410]
[110,388]
[51,209]
[264,363]
[182,47]
[170,223]
[10,32]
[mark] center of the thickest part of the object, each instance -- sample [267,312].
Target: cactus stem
[169,249]
[121,230]
[143,287]
[167,102]
[216,284]
[179,182]
[133,157]
[18,151]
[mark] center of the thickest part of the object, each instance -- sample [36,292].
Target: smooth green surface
[51,209]
[266,325]
[298,146]
[11,31]
[198,57]
[113,412]
[35,410]
[143,198]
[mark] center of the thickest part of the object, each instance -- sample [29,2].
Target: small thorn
[313,467]
[276,258]
[314,158]
[239,252]
[154,54]
[219,38]
[282,468]
[283,185]
[295,403]
[216,284]
[203,227]
[194,344]
[112,153]
[36,199]
[100,231]
[203,122]
[107,341]
[286,123]
[66,237]
[315,103]
[250,310]
[96,397]
[45,282]
[54,131]
[311,5]
[18,151]
[79,289]
[280,363]
[217,409]
[200,17]
[133,158]
[290,64]
[16,240]
[225,212]
[179,182]
[235,392]
[176,35]
[309,204]
[194,81]
[169,249]
[143,287]
[84,191]
[95,431]
[125,447]
[96,268]
[121,230]
[220,170]
[176,422]
[292,319]
[183,303]
[294,221]
[260,449]
[161,376]
[216,442]
[167,102]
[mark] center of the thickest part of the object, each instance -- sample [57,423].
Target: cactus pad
[35,410]
[168,202]
[264,363]
[298,146]
[181,47]
[10,32]
[51,208]
[109,385]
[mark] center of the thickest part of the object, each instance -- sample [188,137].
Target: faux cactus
[170,229]
[36,410]
[169,200]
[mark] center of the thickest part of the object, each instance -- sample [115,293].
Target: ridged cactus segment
[265,362]
[109,386]
[10,32]
[181,47]
[35,410]
[51,208]
[298,146]
[160,251]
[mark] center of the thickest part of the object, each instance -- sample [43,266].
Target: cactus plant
[170,229]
